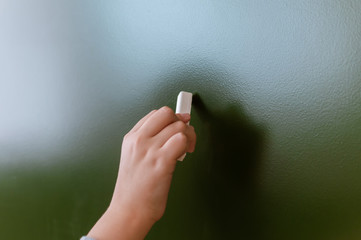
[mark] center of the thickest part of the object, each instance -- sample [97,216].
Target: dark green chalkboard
[277,114]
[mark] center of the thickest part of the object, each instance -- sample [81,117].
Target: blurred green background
[278,115]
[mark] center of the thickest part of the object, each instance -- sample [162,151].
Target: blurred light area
[35,68]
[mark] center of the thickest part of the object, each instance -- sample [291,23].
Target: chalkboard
[276,113]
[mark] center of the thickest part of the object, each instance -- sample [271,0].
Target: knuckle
[182,138]
[153,111]
[127,137]
[137,140]
[133,139]
[167,111]
[180,126]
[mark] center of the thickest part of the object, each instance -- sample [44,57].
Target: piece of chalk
[184,105]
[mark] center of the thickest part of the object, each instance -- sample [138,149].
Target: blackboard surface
[277,114]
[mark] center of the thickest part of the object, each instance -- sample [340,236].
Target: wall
[278,115]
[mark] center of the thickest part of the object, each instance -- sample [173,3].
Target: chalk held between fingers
[184,105]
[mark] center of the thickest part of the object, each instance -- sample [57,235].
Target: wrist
[131,213]
[120,222]
[131,209]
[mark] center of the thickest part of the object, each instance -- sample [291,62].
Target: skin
[148,159]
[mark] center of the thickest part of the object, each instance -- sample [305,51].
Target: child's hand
[148,159]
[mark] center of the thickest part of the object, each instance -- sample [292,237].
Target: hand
[149,156]
[148,159]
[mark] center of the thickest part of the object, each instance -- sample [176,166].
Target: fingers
[141,121]
[192,139]
[190,133]
[175,147]
[174,128]
[157,121]
[168,131]
[184,117]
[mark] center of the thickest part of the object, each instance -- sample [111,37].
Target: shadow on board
[214,194]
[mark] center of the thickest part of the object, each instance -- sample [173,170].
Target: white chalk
[184,105]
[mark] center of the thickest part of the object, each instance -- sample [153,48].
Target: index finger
[158,120]
[141,121]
